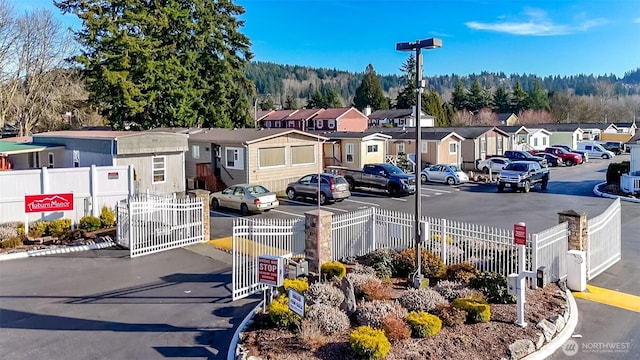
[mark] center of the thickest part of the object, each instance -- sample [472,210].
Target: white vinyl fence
[605,240]
[92,187]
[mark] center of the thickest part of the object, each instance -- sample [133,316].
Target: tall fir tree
[477,97]
[165,63]
[433,106]
[370,93]
[519,99]
[291,103]
[459,97]
[537,98]
[502,100]
[407,96]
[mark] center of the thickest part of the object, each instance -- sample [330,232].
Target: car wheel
[605,156]
[500,187]
[451,181]
[266,210]
[527,187]
[215,205]
[244,210]
[543,186]
[291,194]
[352,185]
[394,190]
[569,162]
[423,177]
[485,170]
[323,199]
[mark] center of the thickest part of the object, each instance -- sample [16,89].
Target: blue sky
[542,37]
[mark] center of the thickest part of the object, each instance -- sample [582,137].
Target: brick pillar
[203,195]
[317,243]
[578,230]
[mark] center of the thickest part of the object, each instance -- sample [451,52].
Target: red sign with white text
[519,234]
[48,202]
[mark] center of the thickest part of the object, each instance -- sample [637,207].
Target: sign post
[270,273]
[520,239]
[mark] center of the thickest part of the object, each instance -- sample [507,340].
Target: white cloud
[637,20]
[537,23]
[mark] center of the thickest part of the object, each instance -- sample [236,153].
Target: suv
[616,147]
[517,155]
[332,188]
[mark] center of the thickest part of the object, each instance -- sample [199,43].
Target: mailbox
[298,269]
[542,276]
[512,284]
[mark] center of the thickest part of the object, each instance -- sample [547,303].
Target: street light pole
[431,43]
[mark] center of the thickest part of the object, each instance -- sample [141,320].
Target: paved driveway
[103,305]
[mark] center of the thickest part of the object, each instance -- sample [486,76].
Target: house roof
[336,113]
[277,115]
[87,134]
[569,127]
[262,113]
[395,114]
[626,124]
[504,116]
[539,130]
[18,139]
[245,135]
[427,135]
[468,132]
[513,129]
[11,148]
[336,135]
[304,114]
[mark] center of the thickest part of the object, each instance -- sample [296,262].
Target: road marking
[361,202]
[287,213]
[424,195]
[438,190]
[223,214]
[610,297]
[399,199]
[316,205]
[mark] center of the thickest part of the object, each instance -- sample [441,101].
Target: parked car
[584,154]
[516,155]
[523,175]
[495,164]
[616,147]
[552,160]
[378,176]
[595,150]
[450,174]
[248,198]
[333,187]
[568,158]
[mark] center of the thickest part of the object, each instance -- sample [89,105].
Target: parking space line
[361,202]
[423,195]
[287,213]
[311,205]
[399,199]
[438,190]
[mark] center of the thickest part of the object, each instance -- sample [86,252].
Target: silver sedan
[248,198]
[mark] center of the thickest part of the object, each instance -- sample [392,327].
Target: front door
[216,160]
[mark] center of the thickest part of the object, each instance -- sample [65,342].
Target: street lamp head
[432,43]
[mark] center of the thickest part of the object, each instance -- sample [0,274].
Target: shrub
[107,217]
[8,230]
[449,289]
[333,269]
[362,269]
[37,229]
[58,227]
[468,293]
[493,286]
[280,314]
[20,229]
[375,290]
[371,313]
[311,335]
[462,272]
[324,293]
[431,264]
[76,234]
[382,260]
[329,318]
[421,299]
[477,310]
[615,171]
[423,324]
[368,343]
[358,280]
[11,242]
[90,223]
[395,328]
[299,285]
[450,315]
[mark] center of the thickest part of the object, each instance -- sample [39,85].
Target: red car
[568,158]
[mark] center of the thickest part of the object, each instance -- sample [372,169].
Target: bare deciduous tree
[534,117]
[486,117]
[462,118]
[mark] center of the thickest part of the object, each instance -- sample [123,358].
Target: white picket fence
[604,245]
[148,223]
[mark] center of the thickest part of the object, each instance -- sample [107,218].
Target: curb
[561,338]
[611,196]
[59,250]
[231,354]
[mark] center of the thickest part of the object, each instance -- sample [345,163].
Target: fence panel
[551,247]
[352,234]
[605,240]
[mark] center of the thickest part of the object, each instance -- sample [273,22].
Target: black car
[552,160]
[616,147]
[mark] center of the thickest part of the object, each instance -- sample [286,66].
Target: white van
[595,150]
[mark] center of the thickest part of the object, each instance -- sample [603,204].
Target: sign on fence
[270,270]
[519,234]
[48,202]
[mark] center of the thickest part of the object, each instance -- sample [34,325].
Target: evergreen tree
[518,99]
[325,97]
[267,103]
[432,105]
[477,98]
[459,97]
[164,63]
[407,96]
[291,103]
[370,93]
[502,100]
[537,98]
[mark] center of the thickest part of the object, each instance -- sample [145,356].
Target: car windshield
[516,167]
[454,168]
[257,189]
[392,169]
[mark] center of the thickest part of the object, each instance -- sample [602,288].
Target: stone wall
[317,227]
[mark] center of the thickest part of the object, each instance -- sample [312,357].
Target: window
[234,158]
[400,148]
[76,158]
[544,141]
[319,124]
[291,124]
[51,162]
[303,154]
[270,157]
[159,169]
[34,160]
[350,153]
[372,148]
[195,151]
[331,124]
[500,144]
[267,124]
[453,148]
[425,146]
[483,145]
[278,124]
[535,141]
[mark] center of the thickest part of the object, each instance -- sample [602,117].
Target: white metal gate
[252,238]
[605,240]
[550,250]
[149,224]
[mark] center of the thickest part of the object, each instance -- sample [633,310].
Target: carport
[11,148]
